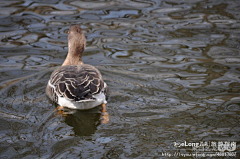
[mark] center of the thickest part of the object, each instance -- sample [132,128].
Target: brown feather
[76,83]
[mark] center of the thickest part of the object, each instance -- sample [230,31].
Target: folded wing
[78,83]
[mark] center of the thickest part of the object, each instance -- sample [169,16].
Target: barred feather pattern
[78,83]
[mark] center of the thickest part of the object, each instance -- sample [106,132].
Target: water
[173,68]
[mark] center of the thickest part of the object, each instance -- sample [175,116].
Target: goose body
[76,85]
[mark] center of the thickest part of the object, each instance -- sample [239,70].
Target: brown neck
[74,56]
[76,46]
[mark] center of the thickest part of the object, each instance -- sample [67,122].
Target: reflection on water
[84,123]
[172,67]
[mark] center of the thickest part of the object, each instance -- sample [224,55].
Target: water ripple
[172,68]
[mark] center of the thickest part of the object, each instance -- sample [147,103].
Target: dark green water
[173,68]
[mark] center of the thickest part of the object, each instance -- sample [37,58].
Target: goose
[76,85]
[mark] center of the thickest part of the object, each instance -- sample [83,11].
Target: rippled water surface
[173,68]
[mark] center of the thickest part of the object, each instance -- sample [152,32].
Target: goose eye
[68,32]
